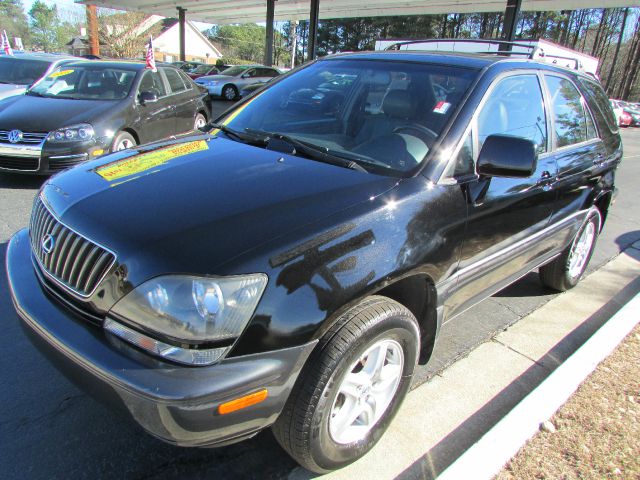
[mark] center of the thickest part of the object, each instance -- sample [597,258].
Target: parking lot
[50,429]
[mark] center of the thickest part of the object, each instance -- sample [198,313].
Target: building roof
[249,11]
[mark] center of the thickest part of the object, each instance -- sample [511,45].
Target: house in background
[166,44]
[198,48]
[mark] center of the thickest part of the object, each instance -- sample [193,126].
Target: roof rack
[532,51]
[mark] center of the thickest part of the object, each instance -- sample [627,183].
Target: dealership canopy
[250,11]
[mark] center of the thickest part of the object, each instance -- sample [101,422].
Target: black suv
[290,267]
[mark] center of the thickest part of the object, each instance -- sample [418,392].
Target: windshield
[234,71]
[86,82]
[21,71]
[384,115]
[201,69]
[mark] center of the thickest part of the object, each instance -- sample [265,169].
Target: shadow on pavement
[12,180]
[627,239]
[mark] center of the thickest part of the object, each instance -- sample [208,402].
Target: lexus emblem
[15,136]
[48,242]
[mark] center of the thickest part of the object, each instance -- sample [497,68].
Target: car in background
[87,108]
[623,118]
[230,81]
[634,112]
[18,72]
[186,66]
[202,70]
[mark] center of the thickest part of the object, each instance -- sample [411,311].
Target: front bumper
[175,403]
[44,159]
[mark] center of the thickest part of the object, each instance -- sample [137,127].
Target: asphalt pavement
[50,429]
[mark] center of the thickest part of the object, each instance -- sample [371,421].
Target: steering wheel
[431,136]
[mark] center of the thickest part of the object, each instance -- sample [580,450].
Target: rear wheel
[122,141]
[566,271]
[229,92]
[352,386]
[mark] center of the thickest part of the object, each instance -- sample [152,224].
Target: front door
[158,118]
[506,216]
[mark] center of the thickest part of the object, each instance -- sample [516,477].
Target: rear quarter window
[599,103]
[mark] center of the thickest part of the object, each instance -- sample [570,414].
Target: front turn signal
[242,402]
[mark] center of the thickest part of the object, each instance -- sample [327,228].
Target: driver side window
[515,107]
[152,82]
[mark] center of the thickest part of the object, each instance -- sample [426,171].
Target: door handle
[599,159]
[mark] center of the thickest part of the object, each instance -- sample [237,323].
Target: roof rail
[532,51]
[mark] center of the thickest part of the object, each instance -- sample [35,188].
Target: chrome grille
[28,138]
[73,261]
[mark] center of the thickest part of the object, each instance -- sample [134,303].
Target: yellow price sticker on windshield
[146,161]
[61,73]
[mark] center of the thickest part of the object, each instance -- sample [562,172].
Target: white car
[229,82]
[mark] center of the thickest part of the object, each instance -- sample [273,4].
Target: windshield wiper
[244,138]
[309,150]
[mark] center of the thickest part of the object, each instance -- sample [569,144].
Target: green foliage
[233,61]
[48,33]
[245,43]
[14,20]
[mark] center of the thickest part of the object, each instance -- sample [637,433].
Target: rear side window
[515,107]
[598,99]
[570,118]
[175,81]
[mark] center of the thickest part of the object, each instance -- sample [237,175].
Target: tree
[125,35]
[48,33]
[13,20]
[246,42]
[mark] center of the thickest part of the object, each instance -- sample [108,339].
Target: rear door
[507,217]
[184,100]
[579,151]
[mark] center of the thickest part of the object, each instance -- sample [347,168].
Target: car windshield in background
[201,69]
[234,71]
[385,116]
[21,71]
[88,82]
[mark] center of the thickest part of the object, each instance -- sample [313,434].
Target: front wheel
[566,271]
[122,141]
[351,387]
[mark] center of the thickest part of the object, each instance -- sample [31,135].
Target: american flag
[6,46]
[151,61]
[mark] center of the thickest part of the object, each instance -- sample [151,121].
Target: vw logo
[15,136]
[48,242]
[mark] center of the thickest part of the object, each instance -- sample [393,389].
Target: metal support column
[313,29]
[511,14]
[181,23]
[268,41]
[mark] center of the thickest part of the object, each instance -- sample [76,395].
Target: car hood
[192,205]
[38,114]
[11,89]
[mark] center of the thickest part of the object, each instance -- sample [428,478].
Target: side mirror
[147,97]
[506,156]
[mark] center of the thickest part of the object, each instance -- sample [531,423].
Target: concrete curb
[487,457]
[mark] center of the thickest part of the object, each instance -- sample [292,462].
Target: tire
[565,272]
[229,92]
[199,122]
[122,141]
[314,426]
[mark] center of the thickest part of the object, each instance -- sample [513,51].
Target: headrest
[398,104]
[376,77]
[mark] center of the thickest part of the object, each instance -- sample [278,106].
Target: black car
[85,109]
[291,267]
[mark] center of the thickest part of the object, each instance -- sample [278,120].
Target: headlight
[186,313]
[74,133]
